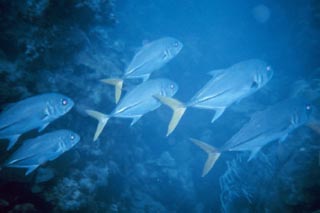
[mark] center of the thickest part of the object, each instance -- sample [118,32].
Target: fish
[37,151]
[35,112]
[274,123]
[136,102]
[227,86]
[151,57]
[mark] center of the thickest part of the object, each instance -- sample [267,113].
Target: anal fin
[134,120]
[43,127]
[283,138]
[217,114]
[12,141]
[253,153]
[31,169]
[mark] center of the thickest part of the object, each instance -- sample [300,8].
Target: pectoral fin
[145,77]
[118,83]
[12,141]
[212,152]
[217,114]
[102,121]
[178,110]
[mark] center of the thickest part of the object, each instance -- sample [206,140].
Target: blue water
[69,46]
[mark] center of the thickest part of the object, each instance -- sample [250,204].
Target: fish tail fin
[213,155]
[178,109]
[102,121]
[117,83]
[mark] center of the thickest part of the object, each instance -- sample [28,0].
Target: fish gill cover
[261,153]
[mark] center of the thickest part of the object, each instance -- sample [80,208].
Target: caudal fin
[212,152]
[178,109]
[117,83]
[102,121]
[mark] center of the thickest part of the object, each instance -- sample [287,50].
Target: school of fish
[225,87]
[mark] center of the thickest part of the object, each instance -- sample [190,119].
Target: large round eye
[72,137]
[268,68]
[171,86]
[308,107]
[175,44]
[64,102]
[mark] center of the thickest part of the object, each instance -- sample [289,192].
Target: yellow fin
[118,83]
[178,109]
[102,121]
[212,152]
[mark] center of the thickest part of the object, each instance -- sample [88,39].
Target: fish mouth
[71,105]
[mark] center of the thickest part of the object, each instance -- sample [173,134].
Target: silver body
[274,123]
[141,99]
[32,113]
[152,56]
[232,85]
[35,152]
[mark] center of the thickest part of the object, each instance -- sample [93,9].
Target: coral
[77,191]
[278,179]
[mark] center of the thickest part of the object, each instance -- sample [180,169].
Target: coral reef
[76,191]
[278,179]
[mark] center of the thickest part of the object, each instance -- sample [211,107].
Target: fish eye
[175,44]
[72,137]
[171,86]
[64,102]
[268,68]
[308,107]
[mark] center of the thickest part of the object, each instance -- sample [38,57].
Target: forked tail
[178,109]
[117,83]
[102,121]
[213,155]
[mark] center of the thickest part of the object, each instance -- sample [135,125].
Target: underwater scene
[160,106]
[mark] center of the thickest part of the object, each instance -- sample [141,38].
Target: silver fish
[226,87]
[274,123]
[36,112]
[137,102]
[35,152]
[151,57]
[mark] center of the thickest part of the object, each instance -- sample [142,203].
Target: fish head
[168,88]
[68,139]
[62,104]
[302,113]
[172,48]
[262,74]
